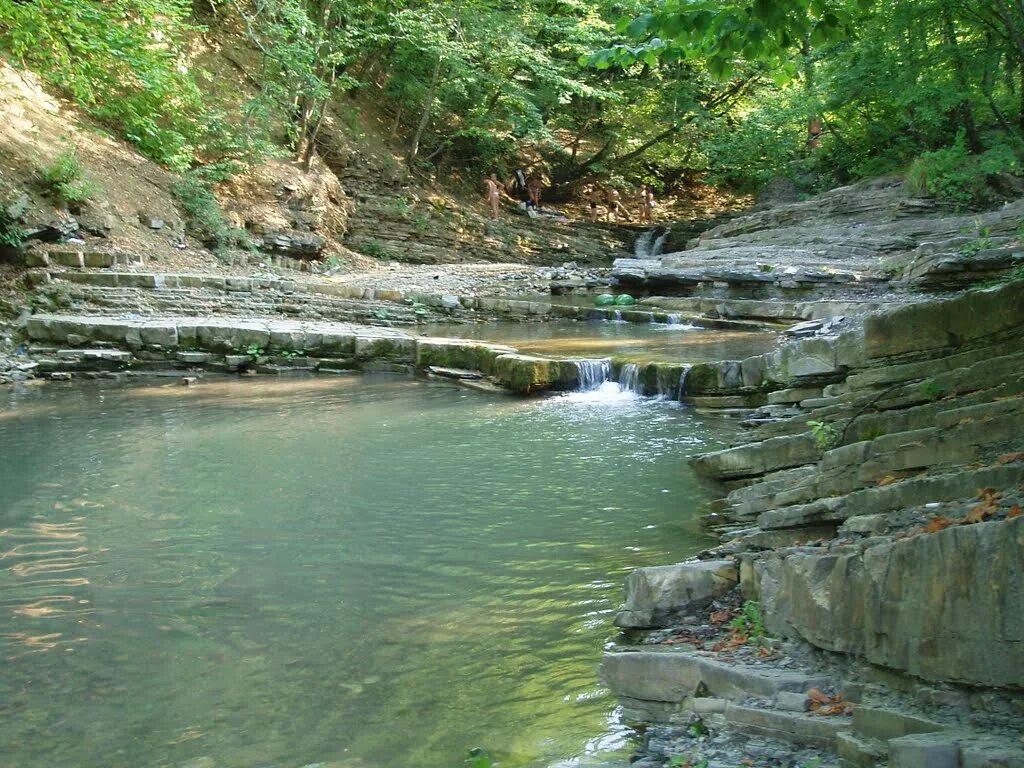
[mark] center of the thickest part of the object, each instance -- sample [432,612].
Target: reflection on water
[355,572]
[640,342]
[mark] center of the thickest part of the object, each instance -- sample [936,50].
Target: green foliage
[749,620]
[955,174]
[381,313]
[824,434]
[374,248]
[66,178]
[931,390]
[254,351]
[203,213]
[122,60]
[421,223]
[11,233]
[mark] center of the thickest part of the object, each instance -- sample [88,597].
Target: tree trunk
[964,108]
[414,147]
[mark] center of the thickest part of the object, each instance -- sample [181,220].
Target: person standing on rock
[534,187]
[595,196]
[647,205]
[492,194]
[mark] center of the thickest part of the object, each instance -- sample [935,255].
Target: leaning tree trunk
[414,147]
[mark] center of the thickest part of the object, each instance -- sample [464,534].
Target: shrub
[11,206]
[203,213]
[65,177]
[954,174]
[749,620]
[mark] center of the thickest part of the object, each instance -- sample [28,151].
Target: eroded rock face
[661,595]
[942,606]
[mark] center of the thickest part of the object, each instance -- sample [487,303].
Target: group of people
[597,195]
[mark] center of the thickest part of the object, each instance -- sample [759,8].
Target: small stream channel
[358,572]
[637,342]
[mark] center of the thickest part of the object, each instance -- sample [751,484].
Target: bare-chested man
[615,206]
[492,194]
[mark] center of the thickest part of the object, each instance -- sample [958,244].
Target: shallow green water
[354,572]
[638,342]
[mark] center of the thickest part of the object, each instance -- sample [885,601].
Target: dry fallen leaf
[818,696]
[1014,511]
[722,616]
[937,524]
[887,480]
[823,704]
[1010,458]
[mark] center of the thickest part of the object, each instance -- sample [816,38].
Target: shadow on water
[355,572]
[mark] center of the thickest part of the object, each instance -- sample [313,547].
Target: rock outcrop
[874,515]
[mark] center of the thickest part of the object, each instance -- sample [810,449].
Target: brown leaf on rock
[887,480]
[722,616]
[937,524]
[986,508]
[1014,512]
[1010,458]
[736,640]
[818,696]
[823,704]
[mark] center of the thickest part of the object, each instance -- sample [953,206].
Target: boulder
[660,595]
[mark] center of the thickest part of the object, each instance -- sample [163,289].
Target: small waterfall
[660,242]
[642,246]
[649,244]
[674,320]
[682,383]
[629,378]
[592,373]
[617,317]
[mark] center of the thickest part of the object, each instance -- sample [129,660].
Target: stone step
[857,751]
[884,724]
[674,676]
[796,727]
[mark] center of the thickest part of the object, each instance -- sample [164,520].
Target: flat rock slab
[816,730]
[674,676]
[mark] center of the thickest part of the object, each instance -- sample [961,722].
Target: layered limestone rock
[874,513]
[946,606]
[857,242]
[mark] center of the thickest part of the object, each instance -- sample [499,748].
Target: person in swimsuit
[647,205]
[615,206]
[595,196]
[491,184]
